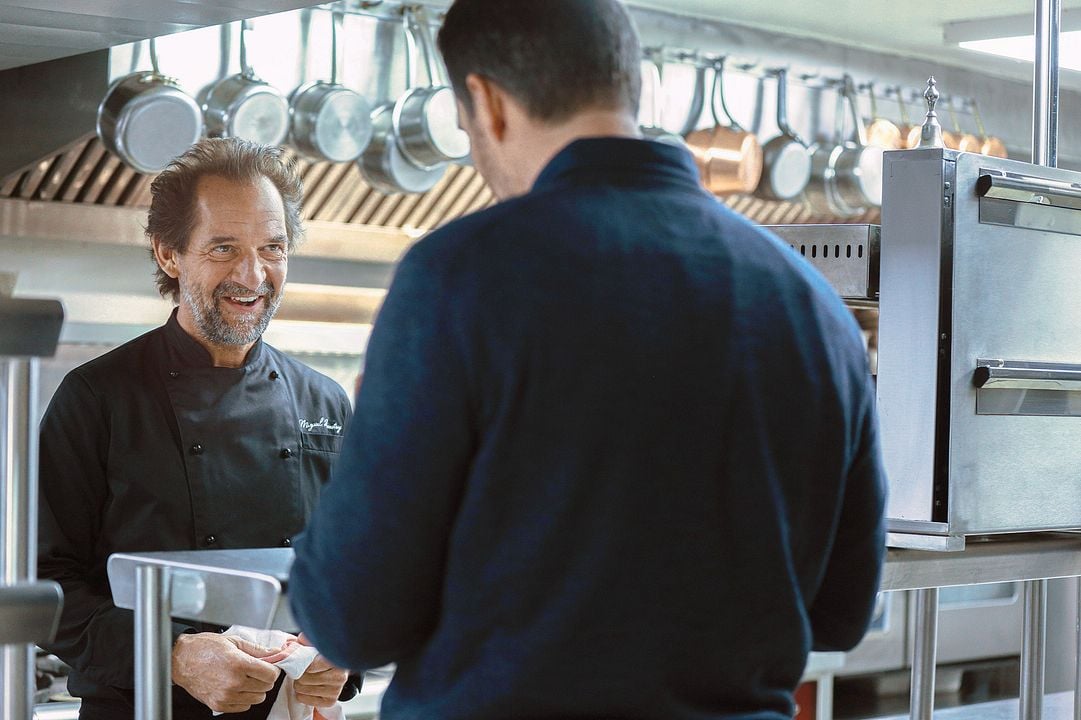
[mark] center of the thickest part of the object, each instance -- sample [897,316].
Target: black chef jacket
[149,447]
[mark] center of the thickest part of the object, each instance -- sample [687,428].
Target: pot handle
[901,105]
[698,100]
[337,23]
[422,31]
[655,56]
[718,96]
[153,44]
[782,105]
[857,120]
[976,116]
[245,66]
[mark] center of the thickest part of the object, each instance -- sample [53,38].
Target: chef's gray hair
[172,205]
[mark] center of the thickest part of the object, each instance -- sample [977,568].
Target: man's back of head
[557,57]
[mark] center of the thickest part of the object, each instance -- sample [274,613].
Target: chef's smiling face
[232,272]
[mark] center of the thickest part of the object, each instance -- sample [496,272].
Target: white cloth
[286,706]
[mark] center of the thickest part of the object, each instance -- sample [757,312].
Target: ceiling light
[1012,37]
[1023,47]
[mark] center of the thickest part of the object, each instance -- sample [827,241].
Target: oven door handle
[1024,375]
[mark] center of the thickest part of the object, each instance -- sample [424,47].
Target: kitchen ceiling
[37,30]
[911,29]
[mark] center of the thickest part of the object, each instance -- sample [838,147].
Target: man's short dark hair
[556,57]
[172,205]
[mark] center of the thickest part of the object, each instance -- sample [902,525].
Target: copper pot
[959,139]
[881,132]
[729,158]
[910,134]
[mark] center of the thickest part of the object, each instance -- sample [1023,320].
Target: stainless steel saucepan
[330,121]
[383,164]
[858,169]
[147,120]
[244,106]
[786,159]
[426,118]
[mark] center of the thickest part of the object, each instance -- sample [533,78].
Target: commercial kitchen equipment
[29,609]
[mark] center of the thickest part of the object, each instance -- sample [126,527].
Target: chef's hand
[223,673]
[321,683]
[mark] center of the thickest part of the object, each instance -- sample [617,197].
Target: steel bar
[18,519]
[1077,658]
[153,657]
[1045,83]
[1033,644]
[922,697]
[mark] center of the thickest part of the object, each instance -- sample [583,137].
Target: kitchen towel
[296,660]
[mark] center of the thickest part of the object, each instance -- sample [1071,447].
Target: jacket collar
[190,353]
[619,159]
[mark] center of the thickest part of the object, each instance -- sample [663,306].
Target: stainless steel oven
[969,296]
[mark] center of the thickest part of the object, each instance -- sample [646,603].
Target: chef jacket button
[174,374]
[274,375]
[209,540]
[287,542]
[196,449]
[285,454]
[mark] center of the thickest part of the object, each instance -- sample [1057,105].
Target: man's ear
[489,105]
[166,258]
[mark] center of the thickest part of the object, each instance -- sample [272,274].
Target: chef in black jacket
[195,435]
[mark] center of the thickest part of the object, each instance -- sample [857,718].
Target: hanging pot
[426,118]
[729,158]
[959,139]
[654,131]
[786,160]
[146,120]
[244,106]
[858,169]
[383,164]
[698,99]
[328,120]
[820,195]
[910,134]
[881,132]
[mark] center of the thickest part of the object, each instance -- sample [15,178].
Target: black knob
[196,449]
[209,540]
[287,542]
[274,375]
[285,454]
[174,374]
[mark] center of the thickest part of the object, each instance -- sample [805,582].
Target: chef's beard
[212,323]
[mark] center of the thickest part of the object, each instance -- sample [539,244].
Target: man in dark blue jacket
[615,453]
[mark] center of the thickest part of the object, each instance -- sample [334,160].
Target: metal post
[1033,643]
[1077,659]
[153,657]
[1045,90]
[18,519]
[922,697]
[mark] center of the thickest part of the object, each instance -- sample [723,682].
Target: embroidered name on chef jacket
[322,426]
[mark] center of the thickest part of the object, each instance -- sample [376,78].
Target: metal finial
[931,132]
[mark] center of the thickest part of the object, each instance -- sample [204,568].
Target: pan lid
[156,126]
